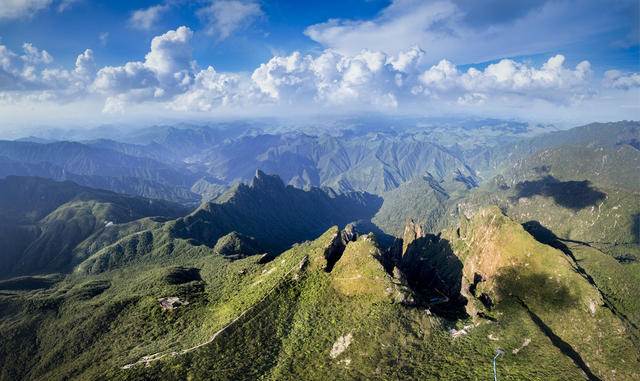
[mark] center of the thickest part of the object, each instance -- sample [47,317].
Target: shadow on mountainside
[534,287]
[547,237]
[434,271]
[574,195]
[635,228]
[276,215]
[562,345]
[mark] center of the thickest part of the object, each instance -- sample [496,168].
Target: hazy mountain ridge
[366,154]
[549,274]
[54,217]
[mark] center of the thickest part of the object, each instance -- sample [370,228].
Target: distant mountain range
[360,255]
[191,164]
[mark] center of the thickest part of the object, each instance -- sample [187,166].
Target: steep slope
[589,195]
[42,221]
[552,194]
[293,318]
[272,216]
[357,322]
[491,161]
[507,272]
[275,214]
[423,200]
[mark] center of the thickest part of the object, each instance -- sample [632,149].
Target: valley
[426,270]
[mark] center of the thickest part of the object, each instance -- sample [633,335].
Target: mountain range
[360,254]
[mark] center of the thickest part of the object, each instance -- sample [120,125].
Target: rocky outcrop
[426,263]
[334,249]
[412,232]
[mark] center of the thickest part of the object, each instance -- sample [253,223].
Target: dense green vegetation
[43,222]
[541,261]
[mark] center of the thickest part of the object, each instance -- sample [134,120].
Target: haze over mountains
[323,190]
[442,253]
[194,164]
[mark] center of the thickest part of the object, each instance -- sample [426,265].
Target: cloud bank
[169,80]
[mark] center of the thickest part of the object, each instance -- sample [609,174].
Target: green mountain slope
[423,200]
[491,161]
[275,214]
[291,317]
[271,215]
[357,322]
[42,221]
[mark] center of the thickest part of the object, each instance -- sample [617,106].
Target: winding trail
[157,356]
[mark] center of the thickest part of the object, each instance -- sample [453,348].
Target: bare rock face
[412,231]
[333,251]
[349,234]
[427,263]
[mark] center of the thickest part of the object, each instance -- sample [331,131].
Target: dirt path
[157,356]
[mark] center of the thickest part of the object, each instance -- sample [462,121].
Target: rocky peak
[412,231]
[334,249]
[261,180]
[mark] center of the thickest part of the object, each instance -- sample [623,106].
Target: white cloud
[171,52]
[209,91]
[16,9]
[31,76]
[117,79]
[11,9]
[168,80]
[507,79]
[146,18]
[470,31]
[7,58]
[85,65]
[619,80]
[374,78]
[223,17]
[34,56]
[167,67]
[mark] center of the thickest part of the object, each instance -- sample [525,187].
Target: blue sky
[86,61]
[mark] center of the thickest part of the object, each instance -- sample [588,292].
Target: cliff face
[507,273]
[412,232]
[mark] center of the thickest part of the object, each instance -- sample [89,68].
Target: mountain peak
[412,231]
[262,180]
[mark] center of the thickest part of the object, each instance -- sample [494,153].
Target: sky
[86,63]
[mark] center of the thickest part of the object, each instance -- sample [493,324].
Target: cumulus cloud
[26,74]
[167,70]
[170,53]
[209,91]
[552,82]
[223,17]
[146,18]
[85,65]
[21,72]
[168,79]
[618,80]
[33,55]
[117,79]
[375,78]
[167,65]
